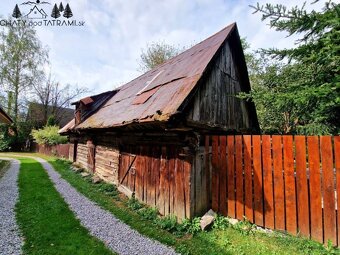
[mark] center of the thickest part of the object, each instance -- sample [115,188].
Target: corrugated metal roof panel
[69,126]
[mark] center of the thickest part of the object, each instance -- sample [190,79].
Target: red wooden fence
[287,183]
[60,150]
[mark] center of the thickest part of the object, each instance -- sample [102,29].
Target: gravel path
[10,241]
[116,235]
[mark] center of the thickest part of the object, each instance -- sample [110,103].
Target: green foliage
[51,121]
[245,227]
[13,137]
[148,213]
[297,90]
[5,139]
[221,223]
[134,204]
[49,136]
[108,189]
[193,226]
[168,223]
[22,58]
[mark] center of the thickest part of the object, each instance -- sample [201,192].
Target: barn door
[91,150]
[127,172]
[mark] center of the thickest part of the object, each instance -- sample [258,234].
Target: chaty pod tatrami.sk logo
[43,13]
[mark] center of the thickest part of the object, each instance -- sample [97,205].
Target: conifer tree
[16,12]
[68,12]
[55,12]
[61,7]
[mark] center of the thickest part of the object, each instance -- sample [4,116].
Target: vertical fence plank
[258,183]
[239,178]
[248,179]
[302,185]
[215,174]
[187,165]
[143,172]
[279,198]
[328,188]
[315,188]
[172,185]
[157,165]
[337,169]
[207,167]
[180,194]
[290,193]
[267,182]
[162,181]
[272,185]
[231,176]
[150,184]
[139,176]
[223,175]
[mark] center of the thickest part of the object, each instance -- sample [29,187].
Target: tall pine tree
[16,12]
[55,12]
[68,12]
[61,7]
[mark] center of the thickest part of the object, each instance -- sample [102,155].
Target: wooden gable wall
[215,104]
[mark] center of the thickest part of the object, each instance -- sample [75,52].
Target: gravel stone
[116,235]
[10,239]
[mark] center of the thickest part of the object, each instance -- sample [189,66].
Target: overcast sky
[105,52]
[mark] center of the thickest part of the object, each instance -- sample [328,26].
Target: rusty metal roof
[157,94]
[68,127]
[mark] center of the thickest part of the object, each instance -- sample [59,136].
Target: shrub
[49,136]
[168,223]
[108,189]
[134,204]
[221,222]
[148,213]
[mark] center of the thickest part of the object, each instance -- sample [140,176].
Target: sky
[105,52]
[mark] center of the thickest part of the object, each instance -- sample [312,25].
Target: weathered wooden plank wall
[215,103]
[286,183]
[107,163]
[82,151]
[71,152]
[158,176]
[200,176]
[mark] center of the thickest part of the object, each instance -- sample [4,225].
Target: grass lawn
[47,224]
[3,167]
[227,241]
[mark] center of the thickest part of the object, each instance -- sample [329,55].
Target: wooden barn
[147,136]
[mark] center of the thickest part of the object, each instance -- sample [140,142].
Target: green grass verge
[48,225]
[3,167]
[226,241]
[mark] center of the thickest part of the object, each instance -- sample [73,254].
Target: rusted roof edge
[6,116]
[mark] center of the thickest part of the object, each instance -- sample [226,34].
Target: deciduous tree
[157,53]
[21,62]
